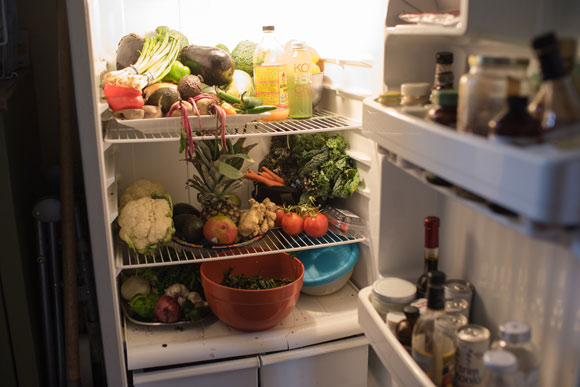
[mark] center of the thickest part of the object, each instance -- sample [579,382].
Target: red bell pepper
[123,97]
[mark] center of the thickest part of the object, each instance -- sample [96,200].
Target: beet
[129,50]
[167,310]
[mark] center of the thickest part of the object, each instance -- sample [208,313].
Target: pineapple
[219,175]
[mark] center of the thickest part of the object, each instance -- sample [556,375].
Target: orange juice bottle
[271,74]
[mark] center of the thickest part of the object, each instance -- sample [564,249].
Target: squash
[215,65]
[242,82]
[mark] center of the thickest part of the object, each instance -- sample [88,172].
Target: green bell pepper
[178,71]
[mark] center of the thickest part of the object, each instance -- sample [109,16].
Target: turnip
[167,310]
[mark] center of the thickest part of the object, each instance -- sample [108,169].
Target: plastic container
[253,310]
[327,269]
[344,222]
[271,74]
[300,82]
[415,93]
[391,294]
[393,319]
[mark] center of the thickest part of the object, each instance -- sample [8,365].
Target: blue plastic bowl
[327,269]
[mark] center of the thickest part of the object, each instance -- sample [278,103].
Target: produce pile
[316,164]
[255,282]
[165,294]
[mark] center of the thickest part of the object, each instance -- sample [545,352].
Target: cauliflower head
[140,189]
[147,222]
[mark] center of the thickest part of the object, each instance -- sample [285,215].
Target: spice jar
[482,91]
[415,93]
[445,113]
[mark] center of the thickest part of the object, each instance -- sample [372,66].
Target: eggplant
[213,64]
[129,50]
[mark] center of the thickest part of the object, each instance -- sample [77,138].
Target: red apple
[220,230]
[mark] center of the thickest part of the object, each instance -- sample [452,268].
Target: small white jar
[391,294]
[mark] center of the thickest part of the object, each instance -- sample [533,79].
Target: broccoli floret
[162,30]
[243,56]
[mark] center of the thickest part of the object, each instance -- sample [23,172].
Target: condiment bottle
[515,126]
[300,82]
[404,329]
[433,350]
[500,369]
[443,75]
[556,105]
[483,90]
[271,74]
[515,337]
[445,112]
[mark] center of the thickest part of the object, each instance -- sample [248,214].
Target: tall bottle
[556,103]
[271,74]
[300,82]
[431,258]
[443,74]
[515,337]
[432,347]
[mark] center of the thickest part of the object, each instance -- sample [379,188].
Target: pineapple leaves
[228,171]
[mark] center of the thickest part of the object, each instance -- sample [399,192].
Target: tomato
[292,223]
[279,216]
[316,226]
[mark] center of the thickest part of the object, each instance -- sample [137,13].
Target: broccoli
[243,56]
[162,30]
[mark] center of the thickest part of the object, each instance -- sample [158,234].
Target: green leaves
[228,171]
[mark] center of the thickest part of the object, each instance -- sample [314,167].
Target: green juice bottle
[300,82]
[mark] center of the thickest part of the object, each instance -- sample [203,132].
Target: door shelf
[275,241]
[540,183]
[403,369]
[322,121]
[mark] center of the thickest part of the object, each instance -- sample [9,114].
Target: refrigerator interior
[353,71]
[515,276]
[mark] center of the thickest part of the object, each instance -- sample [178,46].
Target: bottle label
[441,373]
[271,84]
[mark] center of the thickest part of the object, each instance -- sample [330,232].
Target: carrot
[253,176]
[272,175]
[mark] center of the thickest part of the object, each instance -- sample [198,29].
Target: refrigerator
[522,268]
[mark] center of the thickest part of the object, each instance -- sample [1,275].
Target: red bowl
[253,310]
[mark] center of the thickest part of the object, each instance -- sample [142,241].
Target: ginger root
[258,219]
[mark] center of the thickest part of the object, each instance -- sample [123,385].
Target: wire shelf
[321,121]
[275,241]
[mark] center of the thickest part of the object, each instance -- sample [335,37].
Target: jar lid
[448,98]
[500,360]
[496,60]
[415,89]
[268,28]
[515,332]
[394,290]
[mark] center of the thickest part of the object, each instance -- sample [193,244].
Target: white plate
[173,124]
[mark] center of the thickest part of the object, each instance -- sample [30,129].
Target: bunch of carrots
[266,176]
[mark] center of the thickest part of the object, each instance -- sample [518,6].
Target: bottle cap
[268,28]
[411,312]
[444,57]
[297,45]
[548,52]
[415,89]
[500,360]
[448,98]
[515,332]
[431,232]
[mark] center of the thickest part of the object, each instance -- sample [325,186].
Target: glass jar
[483,90]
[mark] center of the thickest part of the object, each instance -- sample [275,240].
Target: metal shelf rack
[275,241]
[321,121]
